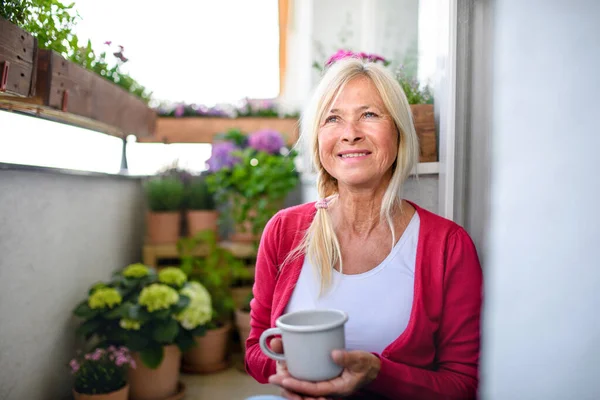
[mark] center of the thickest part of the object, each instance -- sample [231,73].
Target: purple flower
[221,156]
[179,110]
[266,140]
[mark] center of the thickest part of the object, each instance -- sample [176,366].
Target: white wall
[59,234]
[542,309]
[318,28]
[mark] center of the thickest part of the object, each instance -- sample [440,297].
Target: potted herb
[217,271]
[165,196]
[253,175]
[102,374]
[200,206]
[157,316]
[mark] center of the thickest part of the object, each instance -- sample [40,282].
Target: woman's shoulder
[297,214]
[434,224]
[291,219]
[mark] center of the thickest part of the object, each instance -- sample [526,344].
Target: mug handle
[263,344]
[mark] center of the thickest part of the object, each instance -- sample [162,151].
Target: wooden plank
[153,252]
[19,49]
[204,129]
[29,106]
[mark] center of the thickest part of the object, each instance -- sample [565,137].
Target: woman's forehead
[357,94]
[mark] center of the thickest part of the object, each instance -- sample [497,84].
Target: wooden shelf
[154,252]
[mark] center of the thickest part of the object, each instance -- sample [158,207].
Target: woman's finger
[290,395]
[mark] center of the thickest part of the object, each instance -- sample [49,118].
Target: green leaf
[166,332]
[84,311]
[199,331]
[162,314]
[88,328]
[185,340]
[117,312]
[183,302]
[152,356]
[135,341]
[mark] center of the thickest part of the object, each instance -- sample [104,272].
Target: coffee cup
[309,337]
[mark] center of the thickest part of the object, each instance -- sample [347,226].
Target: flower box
[424,120]
[204,129]
[17,60]
[68,87]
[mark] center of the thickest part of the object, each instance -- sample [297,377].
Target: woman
[409,280]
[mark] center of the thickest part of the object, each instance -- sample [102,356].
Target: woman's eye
[369,114]
[331,118]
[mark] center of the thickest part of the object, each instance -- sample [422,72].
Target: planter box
[424,120]
[68,87]
[204,129]
[18,51]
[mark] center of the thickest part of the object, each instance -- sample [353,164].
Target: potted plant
[157,316]
[102,374]
[165,197]
[242,320]
[217,271]
[253,175]
[200,206]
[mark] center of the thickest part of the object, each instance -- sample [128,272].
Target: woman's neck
[358,212]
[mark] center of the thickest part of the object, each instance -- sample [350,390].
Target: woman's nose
[352,133]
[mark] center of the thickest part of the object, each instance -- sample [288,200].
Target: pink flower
[108,43]
[179,110]
[340,55]
[74,366]
[121,360]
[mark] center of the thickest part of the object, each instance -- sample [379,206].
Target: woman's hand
[360,368]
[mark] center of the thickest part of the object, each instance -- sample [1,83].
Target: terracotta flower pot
[210,353]
[156,384]
[163,227]
[201,220]
[242,322]
[240,295]
[121,394]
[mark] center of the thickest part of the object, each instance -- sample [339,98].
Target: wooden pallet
[154,252]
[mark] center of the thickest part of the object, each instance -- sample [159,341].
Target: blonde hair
[320,242]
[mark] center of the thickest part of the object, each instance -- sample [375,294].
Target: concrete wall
[59,233]
[541,318]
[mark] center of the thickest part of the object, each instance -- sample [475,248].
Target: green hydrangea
[130,324]
[199,311]
[158,297]
[172,276]
[104,297]
[136,271]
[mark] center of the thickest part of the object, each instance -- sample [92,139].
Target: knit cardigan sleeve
[458,337]
[258,365]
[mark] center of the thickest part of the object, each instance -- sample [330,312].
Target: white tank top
[378,302]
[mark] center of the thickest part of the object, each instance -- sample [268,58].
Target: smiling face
[358,140]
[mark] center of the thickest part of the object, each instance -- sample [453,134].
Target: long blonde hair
[320,241]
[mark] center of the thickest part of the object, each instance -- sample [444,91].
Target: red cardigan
[437,356]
